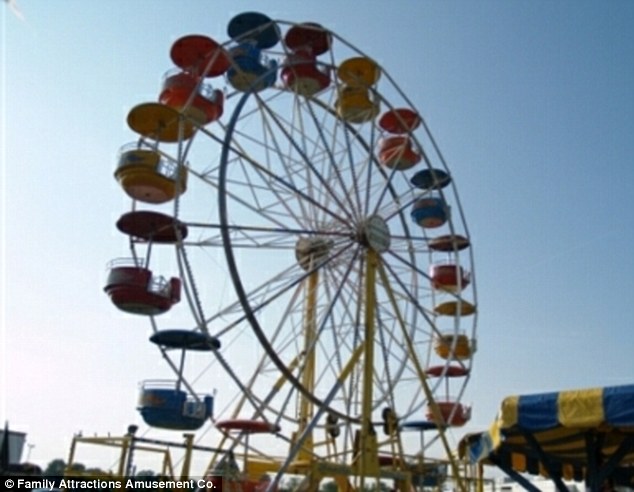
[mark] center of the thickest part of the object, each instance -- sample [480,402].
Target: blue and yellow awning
[578,434]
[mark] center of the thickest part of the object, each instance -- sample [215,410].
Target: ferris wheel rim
[225,228]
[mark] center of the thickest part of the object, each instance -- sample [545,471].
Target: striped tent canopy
[583,435]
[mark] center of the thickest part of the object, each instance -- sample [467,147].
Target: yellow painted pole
[308,375]
[187,460]
[368,464]
[125,445]
[480,477]
[71,454]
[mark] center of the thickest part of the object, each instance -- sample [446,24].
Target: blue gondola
[249,71]
[431,179]
[432,475]
[430,212]
[163,403]
[253,32]
[424,474]
[256,27]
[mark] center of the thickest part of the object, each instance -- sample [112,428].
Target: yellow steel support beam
[187,459]
[306,410]
[367,459]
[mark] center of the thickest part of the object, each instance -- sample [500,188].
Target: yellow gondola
[455,308]
[452,346]
[147,176]
[160,122]
[355,103]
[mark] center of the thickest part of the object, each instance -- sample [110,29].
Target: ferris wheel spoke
[322,181]
[333,320]
[273,288]
[331,161]
[272,181]
[412,296]
[286,195]
[262,292]
[334,331]
[397,304]
[402,245]
[249,236]
[290,164]
[261,212]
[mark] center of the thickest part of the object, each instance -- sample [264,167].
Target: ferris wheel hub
[375,234]
[312,252]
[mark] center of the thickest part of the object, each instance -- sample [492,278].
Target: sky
[530,102]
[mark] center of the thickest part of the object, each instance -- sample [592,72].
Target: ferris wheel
[319,257]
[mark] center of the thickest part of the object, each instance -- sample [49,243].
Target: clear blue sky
[531,103]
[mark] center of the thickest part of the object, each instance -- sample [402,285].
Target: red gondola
[449,242]
[448,277]
[135,290]
[300,71]
[398,153]
[249,426]
[200,55]
[451,371]
[399,121]
[152,226]
[453,413]
[187,94]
